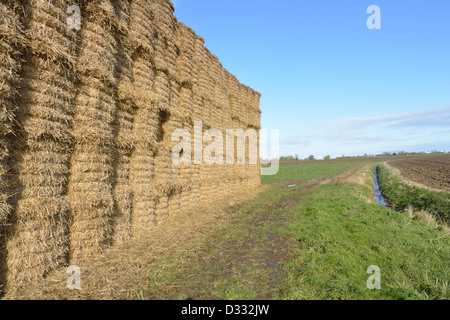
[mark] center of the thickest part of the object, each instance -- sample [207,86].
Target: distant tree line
[296,158]
[384,154]
[404,153]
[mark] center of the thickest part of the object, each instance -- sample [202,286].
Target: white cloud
[372,135]
[437,117]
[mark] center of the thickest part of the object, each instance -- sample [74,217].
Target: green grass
[401,195]
[309,171]
[340,235]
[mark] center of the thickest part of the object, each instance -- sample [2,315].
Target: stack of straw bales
[146,125]
[185,63]
[166,38]
[254,122]
[175,122]
[86,119]
[38,239]
[92,163]
[12,43]
[187,71]
[124,139]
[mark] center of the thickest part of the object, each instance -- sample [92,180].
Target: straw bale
[162,88]
[145,129]
[164,183]
[166,38]
[124,123]
[103,13]
[186,103]
[142,175]
[165,19]
[144,216]
[195,196]
[122,18]
[221,92]
[159,53]
[90,194]
[199,58]
[187,38]
[186,55]
[162,208]
[175,204]
[48,98]
[174,122]
[38,242]
[206,183]
[174,98]
[206,82]
[144,81]
[255,111]
[241,110]
[123,196]
[142,26]
[187,178]
[99,43]
[172,52]
[185,200]
[199,110]
[47,30]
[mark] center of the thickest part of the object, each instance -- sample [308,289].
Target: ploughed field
[432,171]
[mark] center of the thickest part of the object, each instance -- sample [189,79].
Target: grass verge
[340,235]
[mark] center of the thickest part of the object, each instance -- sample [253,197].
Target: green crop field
[309,171]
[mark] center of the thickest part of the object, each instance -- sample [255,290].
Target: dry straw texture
[92,163]
[86,121]
[38,234]
[12,44]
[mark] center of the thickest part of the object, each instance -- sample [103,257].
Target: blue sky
[331,85]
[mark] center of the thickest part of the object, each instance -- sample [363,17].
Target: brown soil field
[431,171]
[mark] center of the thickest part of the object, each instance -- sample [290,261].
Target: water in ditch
[378,196]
